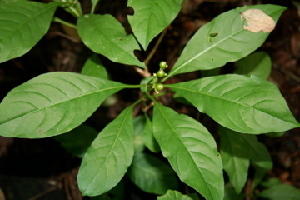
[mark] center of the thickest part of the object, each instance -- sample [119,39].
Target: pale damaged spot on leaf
[257,21]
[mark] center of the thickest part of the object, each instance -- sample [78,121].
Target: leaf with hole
[151,17]
[230,44]
[105,35]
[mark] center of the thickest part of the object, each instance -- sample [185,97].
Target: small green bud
[160,73]
[159,87]
[163,65]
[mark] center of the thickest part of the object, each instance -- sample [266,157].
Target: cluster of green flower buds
[161,73]
[158,86]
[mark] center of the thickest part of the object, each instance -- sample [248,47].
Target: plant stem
[57,19]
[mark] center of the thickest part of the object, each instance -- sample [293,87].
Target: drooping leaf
[77,140]
[279,191]
[151,17]
[191,151]
[257,64]
[105,35]
[235,162]
[109,156]
[243,104]
[151,175]
[230,43]
[174,195]
[22,25]
[94,67]
[52,103]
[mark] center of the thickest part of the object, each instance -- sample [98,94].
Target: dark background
[40,169]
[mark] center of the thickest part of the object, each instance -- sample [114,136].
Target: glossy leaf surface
[223,40]
[151,174]
[52,103]
[191,151]
[22,25]
[105,35]
[151,17]
[243,104]
[109,156]
[174,195]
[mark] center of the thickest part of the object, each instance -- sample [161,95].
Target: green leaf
[94,67]
[22,25]
[236,150]
[148,138]
[5,2]
[94,4]
[280,191]
[230,194]
[243,104]
[109,156]
[116,193]
[257,64]
[105,35]
[231,43]
[191,151]
[151,175]
[78,140]
[52,103]
[138,124]
[151,17]
[174,195]
[235,162]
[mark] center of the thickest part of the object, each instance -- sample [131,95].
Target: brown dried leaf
[257,21]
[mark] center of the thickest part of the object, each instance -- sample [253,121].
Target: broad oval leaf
[151,174]
[191,151]
[94,67]
[174,195]
[22,25]
[243,104]
[109,156]
[223,40]
[151,17]
[105,35]
[52,103]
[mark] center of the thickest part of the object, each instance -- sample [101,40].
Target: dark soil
[40,169]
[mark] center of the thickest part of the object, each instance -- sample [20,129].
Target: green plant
[58,102]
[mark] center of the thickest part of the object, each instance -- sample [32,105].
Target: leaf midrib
[56,104]
[202,52]
[218,97]
[191,158]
